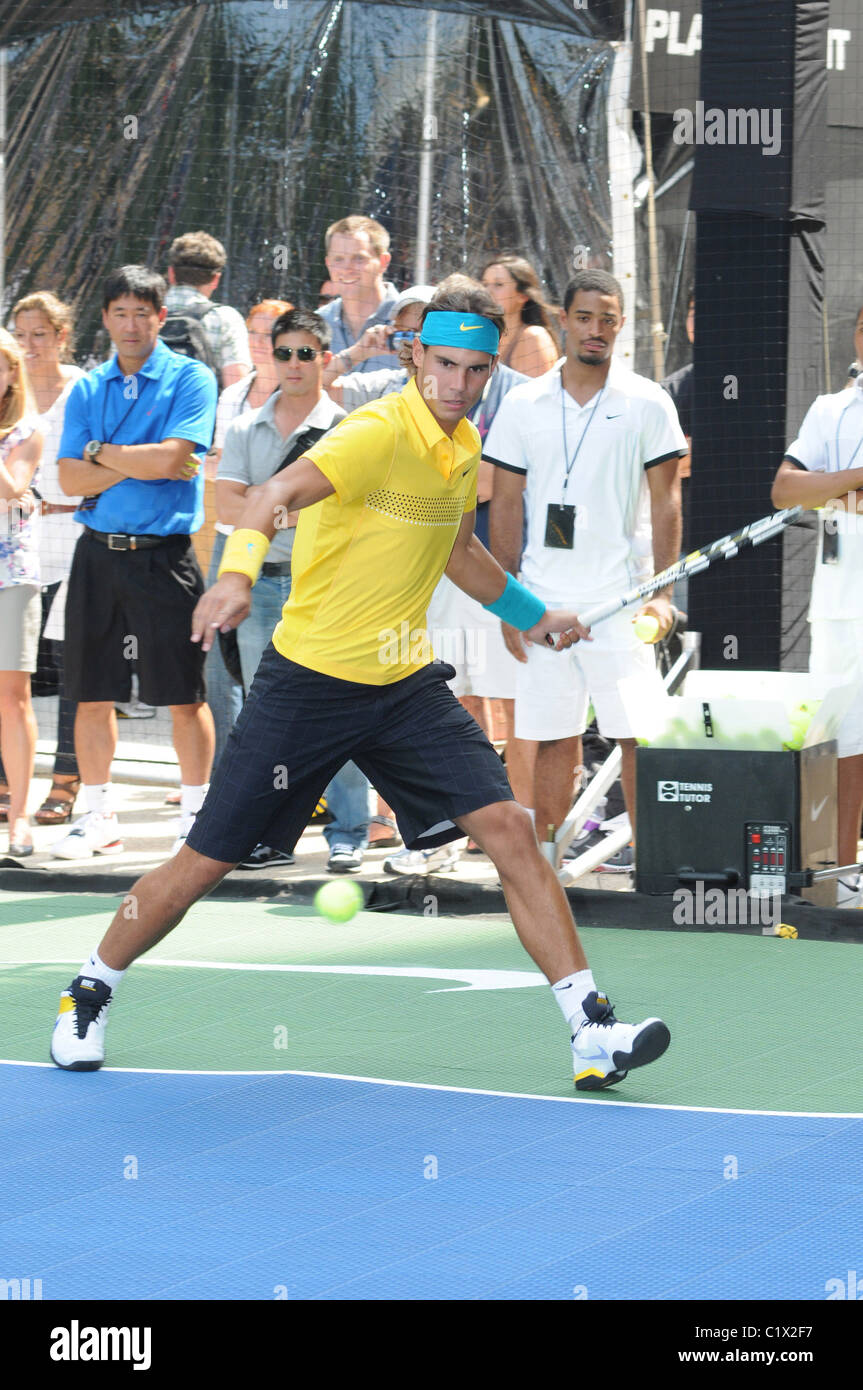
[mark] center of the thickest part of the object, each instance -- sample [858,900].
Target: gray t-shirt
[254,447]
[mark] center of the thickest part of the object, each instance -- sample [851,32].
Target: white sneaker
[185,825]
[78,1043]
[422,861]
[91,834]
[604,1049]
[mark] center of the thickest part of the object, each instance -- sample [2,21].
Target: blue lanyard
[570,465]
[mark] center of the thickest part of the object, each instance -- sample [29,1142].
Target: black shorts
[416,744]
[133,608]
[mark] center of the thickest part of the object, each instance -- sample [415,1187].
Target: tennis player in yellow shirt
[387,504]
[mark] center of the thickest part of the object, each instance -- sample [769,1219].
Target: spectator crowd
[117,485]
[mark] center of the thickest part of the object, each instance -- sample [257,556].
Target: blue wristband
[517,606]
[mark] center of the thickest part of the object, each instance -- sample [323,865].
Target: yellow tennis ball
[339,902]
[646,627]
[783,929]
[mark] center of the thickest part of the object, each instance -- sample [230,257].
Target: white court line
[469,1091]
[471,979]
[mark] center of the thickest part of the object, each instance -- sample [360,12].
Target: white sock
[192,799]
[570,993]
[98,798]
[96,968]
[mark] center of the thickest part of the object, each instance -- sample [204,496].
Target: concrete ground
[145,772]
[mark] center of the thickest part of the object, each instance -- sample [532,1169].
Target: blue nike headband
[445,328]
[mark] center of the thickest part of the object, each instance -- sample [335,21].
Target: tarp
[262,125]
[23,18]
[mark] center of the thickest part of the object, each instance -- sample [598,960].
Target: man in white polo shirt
[589,453]
[823,467]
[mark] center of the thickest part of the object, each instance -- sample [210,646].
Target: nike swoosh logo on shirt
[614,417]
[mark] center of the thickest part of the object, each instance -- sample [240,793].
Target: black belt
[120,542]
[276,570]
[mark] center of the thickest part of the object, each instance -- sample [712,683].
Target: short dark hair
[137,280]
[302,321]
[592,281]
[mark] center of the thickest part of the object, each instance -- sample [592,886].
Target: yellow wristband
[244,553]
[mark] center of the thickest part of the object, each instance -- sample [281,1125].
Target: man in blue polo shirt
[130,432]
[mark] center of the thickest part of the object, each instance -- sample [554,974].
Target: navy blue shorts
[416,744]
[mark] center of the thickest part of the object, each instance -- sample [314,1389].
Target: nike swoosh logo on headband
[469,328]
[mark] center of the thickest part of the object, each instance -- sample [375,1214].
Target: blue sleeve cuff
[517,606]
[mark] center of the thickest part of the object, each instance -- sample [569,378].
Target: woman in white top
[20,607]
[43,332]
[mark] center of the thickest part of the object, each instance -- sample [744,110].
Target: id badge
[560,526]
[830,542]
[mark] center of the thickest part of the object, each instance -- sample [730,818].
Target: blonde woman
[20,603]
[43,328]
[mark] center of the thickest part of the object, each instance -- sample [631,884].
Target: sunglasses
[304,354]
[401,335]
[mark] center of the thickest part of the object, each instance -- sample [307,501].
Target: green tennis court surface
[757,1023]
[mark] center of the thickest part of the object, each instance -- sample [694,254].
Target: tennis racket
[755,533]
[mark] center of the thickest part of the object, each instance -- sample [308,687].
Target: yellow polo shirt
[367,559]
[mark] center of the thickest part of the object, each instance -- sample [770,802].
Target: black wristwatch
[92,450]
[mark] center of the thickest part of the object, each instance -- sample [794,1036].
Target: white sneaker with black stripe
[604,1050]
[78,1042]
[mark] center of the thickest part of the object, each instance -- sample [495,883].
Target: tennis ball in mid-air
[782,929]
[339,902]
[646,627]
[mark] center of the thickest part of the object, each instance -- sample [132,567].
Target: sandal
[56,809]
[388,836]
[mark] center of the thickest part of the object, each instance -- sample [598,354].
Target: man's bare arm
[664,483]
[149,462]
[80,478]
[797,487]
[477,573]
[506,518]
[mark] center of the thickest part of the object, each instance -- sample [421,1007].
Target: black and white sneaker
[604,1050]
[78,1043]
[265,857]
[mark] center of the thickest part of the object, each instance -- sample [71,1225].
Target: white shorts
[555,689]
[469,637]
[837,650]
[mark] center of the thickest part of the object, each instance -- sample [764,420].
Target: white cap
[415,294]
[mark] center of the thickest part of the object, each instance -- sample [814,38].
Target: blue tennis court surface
[385,1110]
[145,1185]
